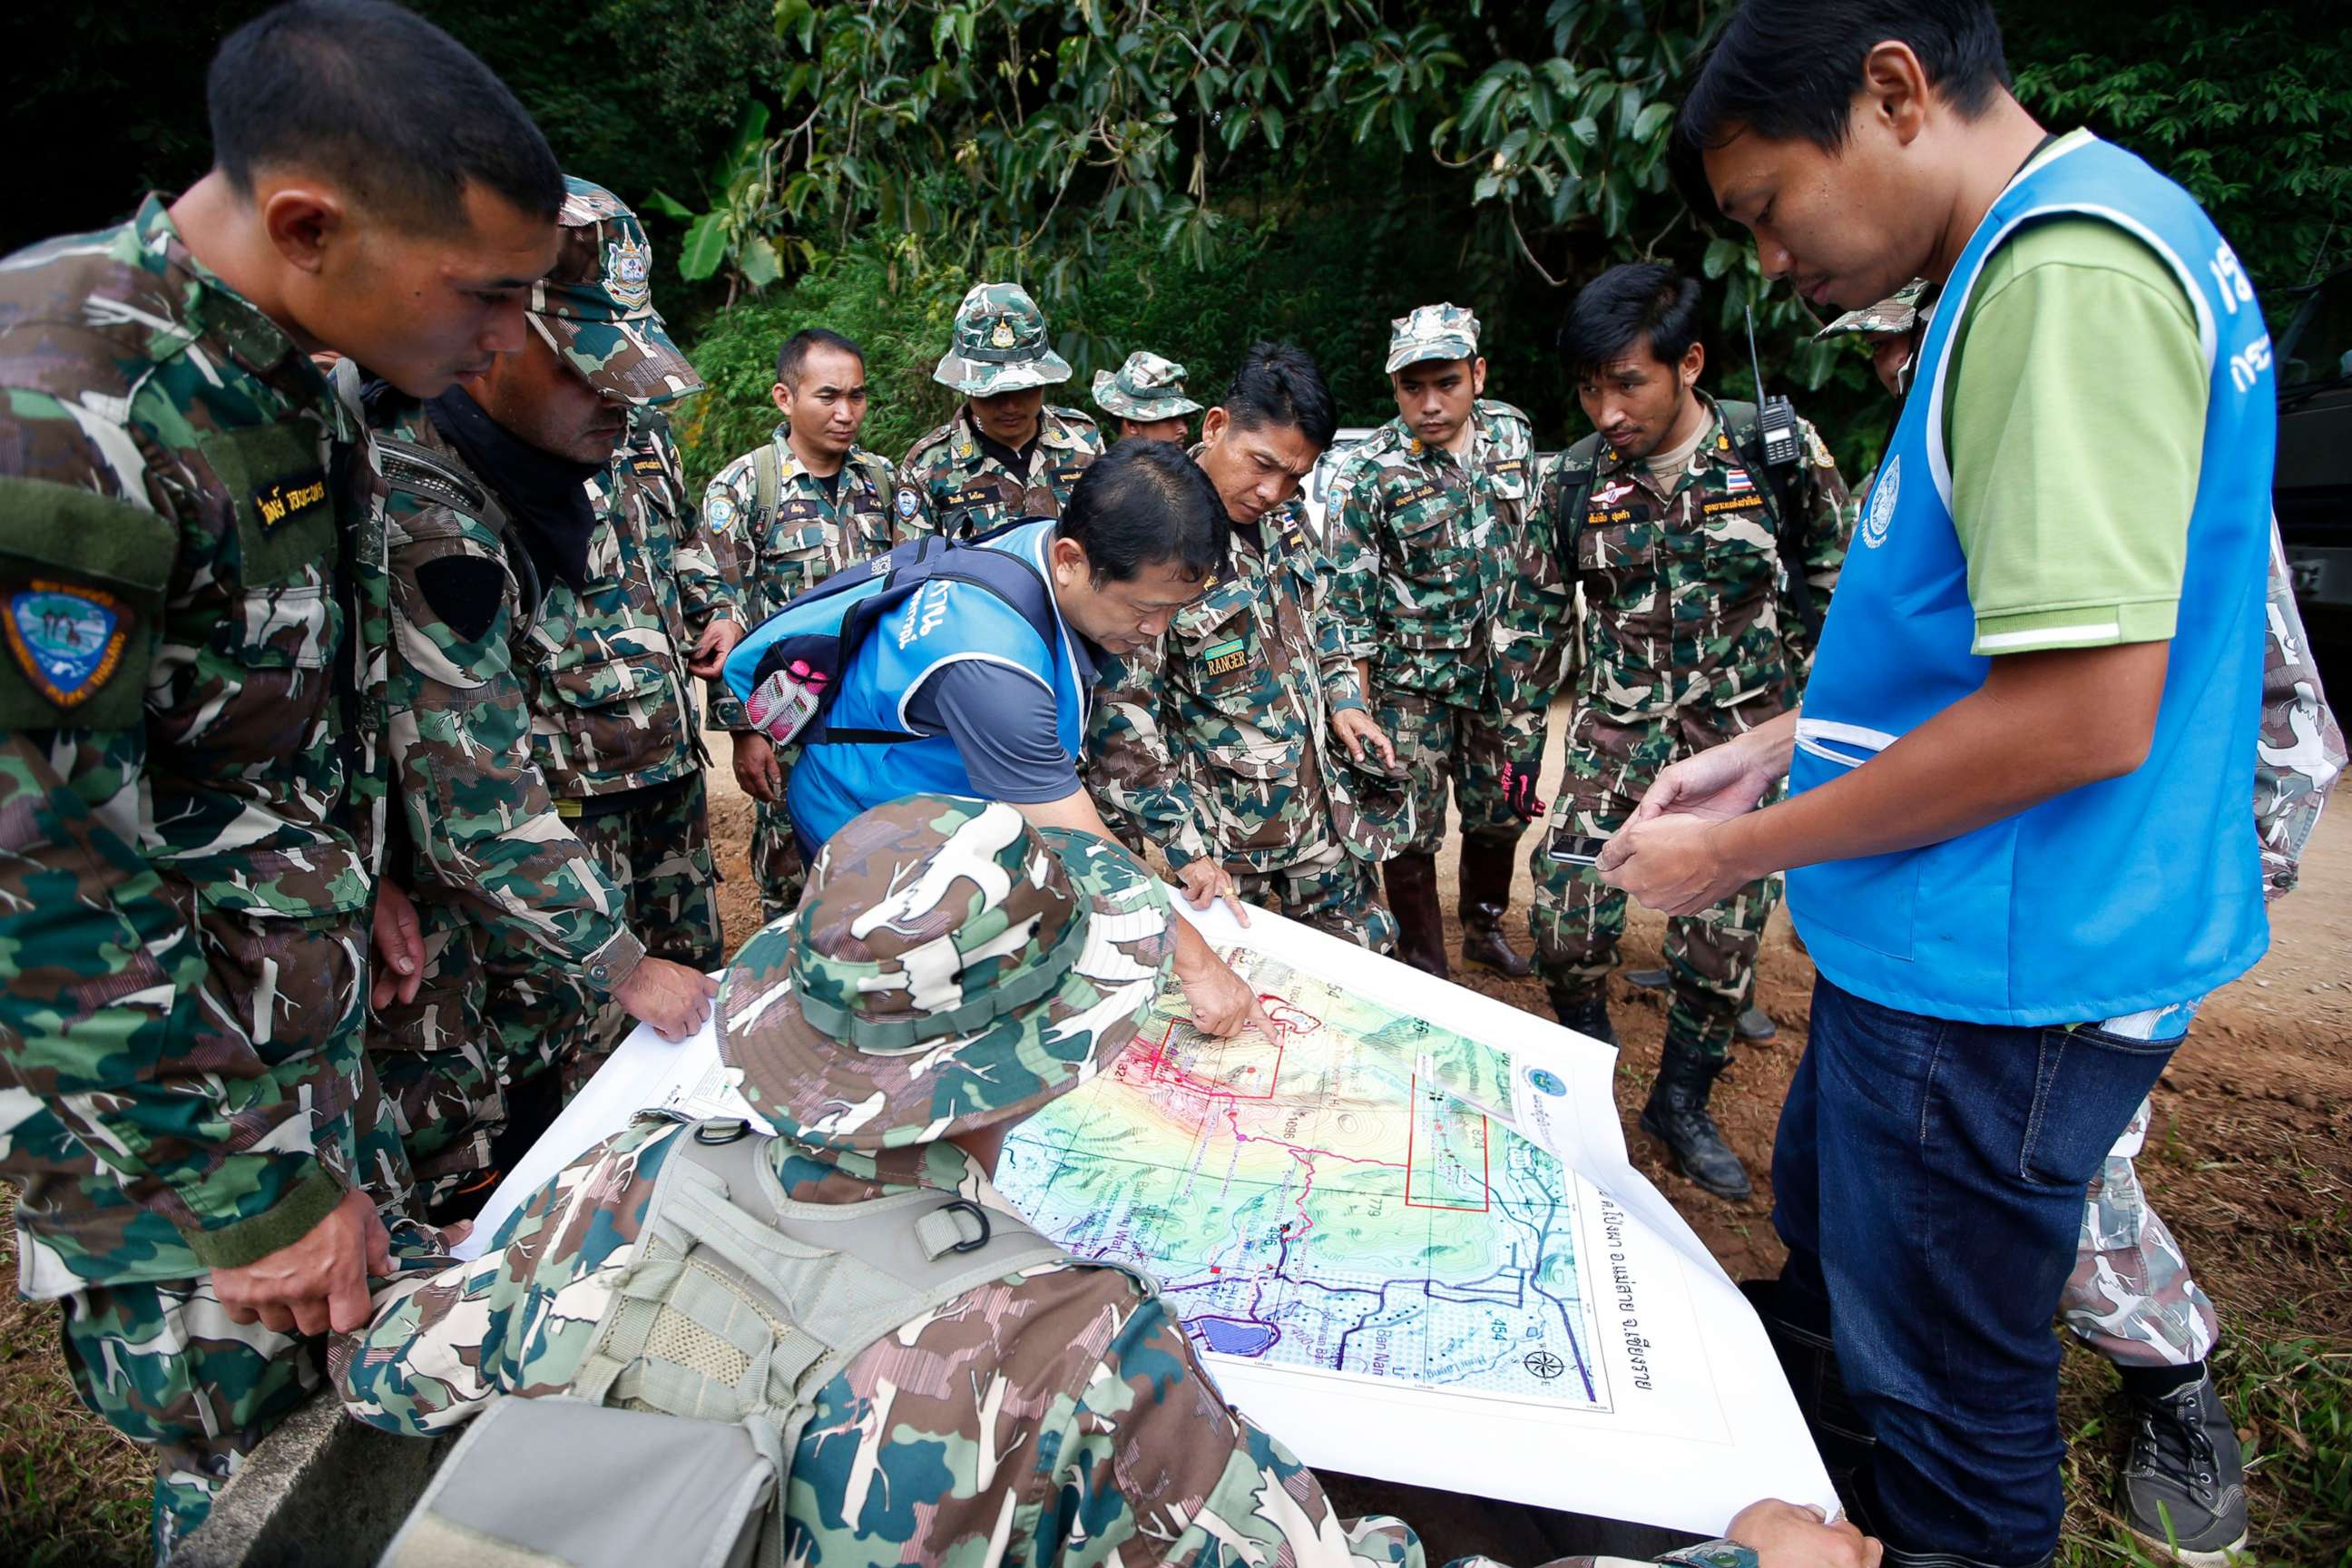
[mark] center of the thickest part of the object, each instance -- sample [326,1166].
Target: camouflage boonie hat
[1146,387]
[949,967]
[1432,333]
[999,345]
[1899,313]
[595,308]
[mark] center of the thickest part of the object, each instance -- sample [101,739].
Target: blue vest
[2136,892]
[945,622]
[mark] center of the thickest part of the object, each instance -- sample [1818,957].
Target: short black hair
[1789,69]
[382,101]
[1146,503]
[1277,383]
[795,351]
[1635,299]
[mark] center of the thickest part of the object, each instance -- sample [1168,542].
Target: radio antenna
[1755,365]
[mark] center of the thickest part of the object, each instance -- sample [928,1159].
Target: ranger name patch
[282,501]
[67,638]
[1230,654]
[646,465]
[1750,503]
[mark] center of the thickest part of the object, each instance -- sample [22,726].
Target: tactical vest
[2134,893]
[432,476]
[1746,436]
[674,1441]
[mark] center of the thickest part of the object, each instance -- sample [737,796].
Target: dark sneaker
[1656,979]
[1756,1026]
[2183,1490]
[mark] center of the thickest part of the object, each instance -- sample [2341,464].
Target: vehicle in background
[2312,489]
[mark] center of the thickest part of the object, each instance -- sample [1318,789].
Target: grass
[71,1492]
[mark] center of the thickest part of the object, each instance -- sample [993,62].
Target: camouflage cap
[1899,313]
[1146,387]
[999,344]
[949,967]
[1432,333]
[595,308]
[1377,819]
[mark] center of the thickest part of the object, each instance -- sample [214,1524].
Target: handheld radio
[1776,418]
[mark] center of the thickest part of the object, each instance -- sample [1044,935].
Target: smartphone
[1575,850]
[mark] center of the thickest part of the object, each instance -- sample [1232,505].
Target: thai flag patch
[1737,482]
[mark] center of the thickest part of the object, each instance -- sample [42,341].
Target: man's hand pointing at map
[1222,1003]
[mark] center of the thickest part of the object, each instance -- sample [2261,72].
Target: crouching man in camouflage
[489,499]
[1048,1411]
[193,587]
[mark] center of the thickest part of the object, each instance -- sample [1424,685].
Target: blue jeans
[1928,1178]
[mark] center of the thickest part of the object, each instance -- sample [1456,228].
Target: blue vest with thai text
[2132,894]
[945,623]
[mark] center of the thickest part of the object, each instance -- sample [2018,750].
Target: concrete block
[321,1491]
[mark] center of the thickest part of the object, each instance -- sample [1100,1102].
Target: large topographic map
[1344,1198]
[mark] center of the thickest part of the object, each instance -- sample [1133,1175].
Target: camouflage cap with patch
[1898,313]
[999,345]
[595,306]
[949,967]
[1432,333]
[1145,387]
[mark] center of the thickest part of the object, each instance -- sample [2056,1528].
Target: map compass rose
[1543,1363]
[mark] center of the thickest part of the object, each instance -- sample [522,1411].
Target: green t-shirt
[2074,418]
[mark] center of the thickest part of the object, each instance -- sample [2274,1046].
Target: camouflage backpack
[674,1441]
[1742,424]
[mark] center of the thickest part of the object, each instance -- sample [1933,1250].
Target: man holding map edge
[963,695]
[1032,1407]
[2016,832]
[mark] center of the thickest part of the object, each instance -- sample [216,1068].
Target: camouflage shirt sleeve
[1334,658]
[706,580]
[102,972]
[1150,1461]
[1355,557]
[1135,775]
[728,504]
[478,812]
[1826,526]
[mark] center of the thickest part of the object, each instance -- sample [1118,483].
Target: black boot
[1487,861]
[1586,1011]
[1412,898]
[2183,1490]
[1676,1116]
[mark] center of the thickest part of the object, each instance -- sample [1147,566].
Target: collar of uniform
[1052,430]
[789,466]
[213,310]
[1422,452]
[967,434]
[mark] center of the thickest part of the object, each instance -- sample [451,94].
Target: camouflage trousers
[657,849]
[163,1365]
[2130,1299]
[1331,890]
[442,1068]
[1577,919]
[776,865]
[1437,742]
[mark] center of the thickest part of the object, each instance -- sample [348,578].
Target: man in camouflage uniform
[1146,395]
[2131,1299]
[1689,639]
[1235,742]
[195,620]
[1006,454]
[1055,1412]
[624,625]
[482,479]
[1450,604]
[793,513]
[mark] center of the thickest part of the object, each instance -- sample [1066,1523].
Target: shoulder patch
[718,511]
[906,503]
[67,638]
[465,591]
